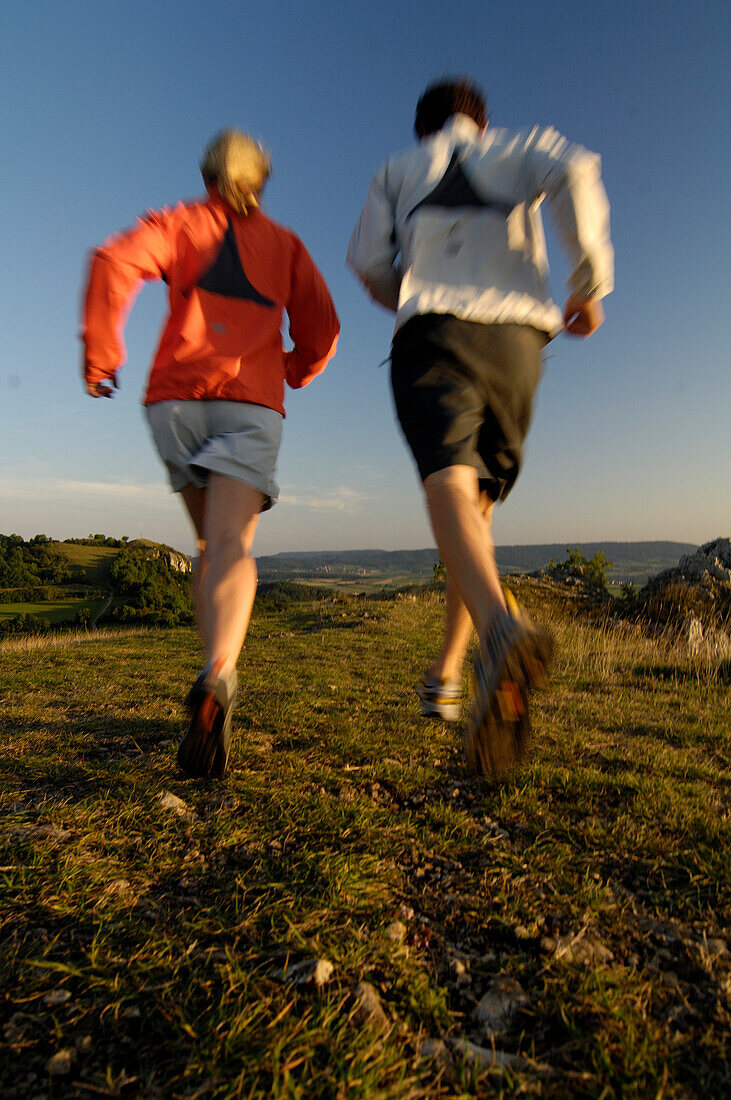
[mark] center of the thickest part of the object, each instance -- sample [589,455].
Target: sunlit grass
[598,877]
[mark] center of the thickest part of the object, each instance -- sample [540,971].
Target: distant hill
[631,561]
[45,584]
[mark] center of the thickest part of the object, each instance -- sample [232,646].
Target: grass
[92,563]
[55,611]
[146,944]
[370,583]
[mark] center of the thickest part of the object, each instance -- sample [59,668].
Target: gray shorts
[233,438]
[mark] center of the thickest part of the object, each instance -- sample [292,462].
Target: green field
[370,583]
[90,563]
[562,934]
[56,611]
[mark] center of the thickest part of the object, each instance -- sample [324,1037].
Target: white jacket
[453,225]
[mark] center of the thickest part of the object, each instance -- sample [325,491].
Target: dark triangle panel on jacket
[454,189]
[226,275]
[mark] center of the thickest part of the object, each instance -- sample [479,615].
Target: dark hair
[445,98]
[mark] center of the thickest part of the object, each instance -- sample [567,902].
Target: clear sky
[107,107]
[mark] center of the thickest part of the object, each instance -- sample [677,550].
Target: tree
[594,571]
[149,589]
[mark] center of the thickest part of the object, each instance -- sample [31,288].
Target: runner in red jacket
[215,395]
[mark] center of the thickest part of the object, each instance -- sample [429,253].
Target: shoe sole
[499,729]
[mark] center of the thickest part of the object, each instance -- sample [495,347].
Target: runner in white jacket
[451,240]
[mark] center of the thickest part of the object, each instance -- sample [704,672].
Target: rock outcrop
[694,599]
[179,563]
[710,562]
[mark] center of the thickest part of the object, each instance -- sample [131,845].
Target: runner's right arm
[116,272]
[373,250]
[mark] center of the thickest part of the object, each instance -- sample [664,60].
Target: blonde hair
[239,166]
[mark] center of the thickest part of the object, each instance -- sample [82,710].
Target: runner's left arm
[570,177]
[313,322]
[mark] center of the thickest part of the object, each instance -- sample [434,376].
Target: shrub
[594,571]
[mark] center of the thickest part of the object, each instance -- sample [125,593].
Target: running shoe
[440,698]
[512,660]
[204,750]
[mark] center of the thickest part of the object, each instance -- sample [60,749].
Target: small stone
[84,1044]
[582,949]
[716,948]
[695,635]
[322,973]
[483,1057]
[503,998]
[317,971]
[396,931]
[368,1008]
[56,997]
[61,1062]
[459,964]
[434,1050]
[14,1030]
[175,805]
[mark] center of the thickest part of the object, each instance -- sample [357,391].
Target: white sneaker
[440,698]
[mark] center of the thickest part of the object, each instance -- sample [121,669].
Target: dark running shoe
[513,659]
[203,753]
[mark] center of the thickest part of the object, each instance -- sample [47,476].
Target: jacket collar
[461,126]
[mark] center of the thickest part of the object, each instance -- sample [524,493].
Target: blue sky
[107,109]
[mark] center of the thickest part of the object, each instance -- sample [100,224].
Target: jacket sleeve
[313,322]
[373,249]
[570,177]
[116,272]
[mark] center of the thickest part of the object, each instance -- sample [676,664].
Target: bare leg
[229,583]
[224,515]
[447,665]
[195,503]
[462,531]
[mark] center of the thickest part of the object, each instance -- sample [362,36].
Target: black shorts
[464,394]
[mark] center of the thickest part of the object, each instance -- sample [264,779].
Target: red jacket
[229,278]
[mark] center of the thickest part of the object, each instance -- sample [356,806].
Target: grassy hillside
[90,564]
[562,934]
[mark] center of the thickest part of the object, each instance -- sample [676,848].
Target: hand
[101,389]
[582,316]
